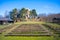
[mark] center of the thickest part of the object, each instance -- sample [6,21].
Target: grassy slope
[26,38]
[54,25]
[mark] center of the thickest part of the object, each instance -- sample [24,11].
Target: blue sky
[41,6]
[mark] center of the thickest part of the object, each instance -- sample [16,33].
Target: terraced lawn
[28,27]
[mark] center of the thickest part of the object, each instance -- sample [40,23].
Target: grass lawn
[30,22]
[26,38]
[3,26]
[2,37]
[54,25]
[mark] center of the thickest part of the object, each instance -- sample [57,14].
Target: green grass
[2,37]
[27,38]
[30,22]
[30,32]
[2,26]
[54,25]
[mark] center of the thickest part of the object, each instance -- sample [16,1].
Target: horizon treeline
[22,14]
